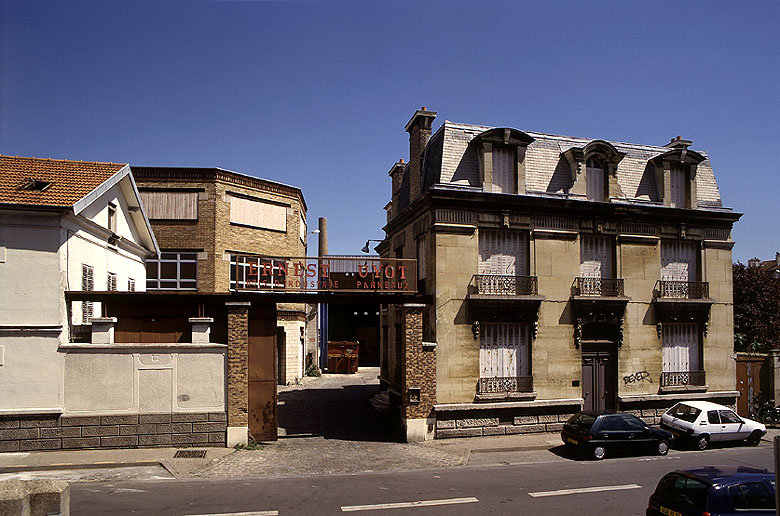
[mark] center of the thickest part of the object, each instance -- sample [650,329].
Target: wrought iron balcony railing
[499,285]
[599,287]
[505,384]
[683,378]
[683,290]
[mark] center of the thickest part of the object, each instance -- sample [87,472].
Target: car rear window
[751,495]
[684,412]
[683,492]
[581,421]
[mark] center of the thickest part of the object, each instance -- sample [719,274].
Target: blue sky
[316,94]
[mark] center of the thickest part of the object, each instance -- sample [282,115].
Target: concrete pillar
[201,329]
[103,330]
[418,377]
[238,373]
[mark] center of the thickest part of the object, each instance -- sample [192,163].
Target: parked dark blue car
[714,491]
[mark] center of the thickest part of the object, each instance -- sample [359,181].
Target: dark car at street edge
[604,432]
[714,491]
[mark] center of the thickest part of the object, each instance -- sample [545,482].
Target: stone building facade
[566,273]
[204,217]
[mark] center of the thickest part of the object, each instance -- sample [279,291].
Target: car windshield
[684,412]
[582,422]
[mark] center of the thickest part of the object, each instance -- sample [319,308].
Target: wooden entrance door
[262,372]
[599,375]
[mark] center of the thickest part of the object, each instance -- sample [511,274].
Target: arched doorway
[599,365]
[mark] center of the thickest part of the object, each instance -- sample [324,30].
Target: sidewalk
[326,426]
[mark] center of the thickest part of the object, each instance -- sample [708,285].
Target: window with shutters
[170,204]
[678,187]
[504,351]
[594,180]
[111,282]
[504,169]
[130,285]
[597,256]
[422,265]
[172,271]
[679,260]
[503,252]
[87,284]
[681,355]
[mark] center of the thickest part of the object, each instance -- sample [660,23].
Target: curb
[17,468]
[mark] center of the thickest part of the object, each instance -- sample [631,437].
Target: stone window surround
[604,153]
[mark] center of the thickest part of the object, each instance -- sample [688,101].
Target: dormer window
[598,161]
[502,160]
[676,174]
[594,177]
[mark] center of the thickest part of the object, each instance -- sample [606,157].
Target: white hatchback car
[704,422]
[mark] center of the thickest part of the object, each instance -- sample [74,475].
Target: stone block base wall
[55,432]
[502,421]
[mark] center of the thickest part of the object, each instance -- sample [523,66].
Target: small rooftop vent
[35,185]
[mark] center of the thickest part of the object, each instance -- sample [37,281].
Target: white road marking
[562,492]
[406,505]
[254,513]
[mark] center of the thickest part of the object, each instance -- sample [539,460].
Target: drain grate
[189,454]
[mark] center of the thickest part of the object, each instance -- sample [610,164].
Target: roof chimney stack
[678,143]
[419,129]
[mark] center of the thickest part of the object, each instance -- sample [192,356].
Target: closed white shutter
[596,257]
[503,252]
[594,181]
[678,261]
[503,169]
[677,184]
[258,214]
[680,347]
[504,351]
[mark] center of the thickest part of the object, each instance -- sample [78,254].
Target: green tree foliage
[756,310]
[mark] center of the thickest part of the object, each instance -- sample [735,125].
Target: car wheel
[662,447]
[754,439]
[599,452]
[703,441]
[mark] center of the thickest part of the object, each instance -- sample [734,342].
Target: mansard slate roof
[68,181]
[452,159]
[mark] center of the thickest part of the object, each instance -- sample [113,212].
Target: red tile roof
[69,180]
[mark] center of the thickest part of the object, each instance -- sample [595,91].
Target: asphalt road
[533,482]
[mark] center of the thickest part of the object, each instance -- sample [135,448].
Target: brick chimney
[678,143]
[419,129]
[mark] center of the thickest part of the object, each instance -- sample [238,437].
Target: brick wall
[238,364]
[55,432]
[419,366]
